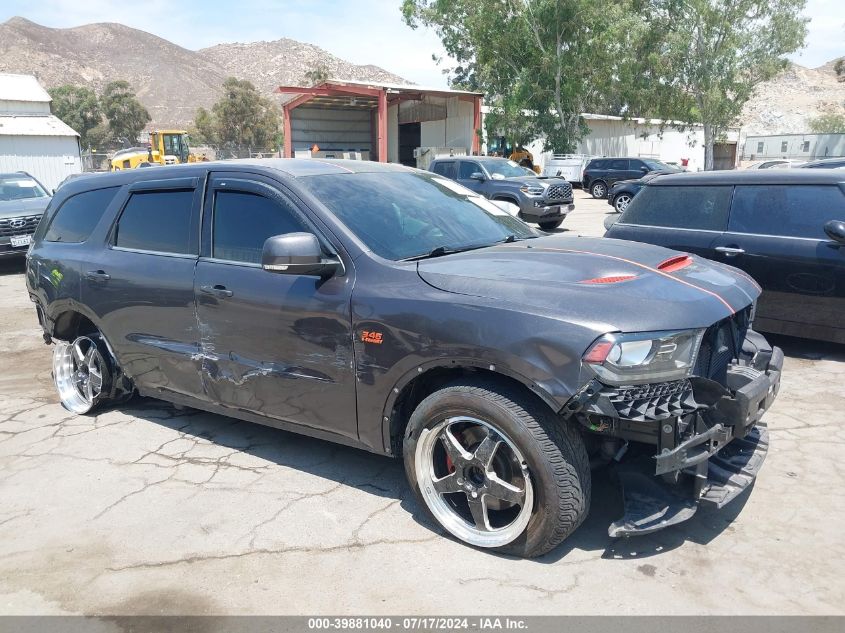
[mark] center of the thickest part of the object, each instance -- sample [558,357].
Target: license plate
[20,240]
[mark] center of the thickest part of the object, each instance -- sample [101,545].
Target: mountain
[785,104]
[171,81]
[286,62]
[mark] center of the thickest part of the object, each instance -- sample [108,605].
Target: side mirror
[296,254]
[835,230]
[644,169]
[477,175]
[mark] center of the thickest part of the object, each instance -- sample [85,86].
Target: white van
[568,166]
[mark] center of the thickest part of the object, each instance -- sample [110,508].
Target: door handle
[730,251]
[97,275]
[217,291]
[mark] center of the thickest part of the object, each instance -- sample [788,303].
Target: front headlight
[621,359]
[533,190]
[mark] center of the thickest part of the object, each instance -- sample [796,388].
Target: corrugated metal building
[379,121]
[794,146]
[32,139]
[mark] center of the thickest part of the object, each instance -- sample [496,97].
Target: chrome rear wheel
[81,374]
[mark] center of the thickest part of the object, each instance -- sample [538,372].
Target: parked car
[389,309]
[621,193]
[826,163]
[780,163]
[602,173]
[22,202]
[784,228]
[546,201]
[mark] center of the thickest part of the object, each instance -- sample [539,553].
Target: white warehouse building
[32,139]
[614,136]
[794,146]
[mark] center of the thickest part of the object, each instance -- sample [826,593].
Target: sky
[360,31]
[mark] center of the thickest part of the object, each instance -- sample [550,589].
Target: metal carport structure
[336,114]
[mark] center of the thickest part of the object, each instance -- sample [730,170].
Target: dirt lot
[146,509]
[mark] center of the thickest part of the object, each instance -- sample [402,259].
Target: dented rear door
[273,344]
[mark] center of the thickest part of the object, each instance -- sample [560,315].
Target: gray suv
[388,309]
[545,201]
[22,203]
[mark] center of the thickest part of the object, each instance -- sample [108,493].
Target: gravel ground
[147,509]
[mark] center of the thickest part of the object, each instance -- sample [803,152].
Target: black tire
[598,189]
[549,226]
[553,450]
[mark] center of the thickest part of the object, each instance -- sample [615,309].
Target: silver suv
[543,200]
[22,203]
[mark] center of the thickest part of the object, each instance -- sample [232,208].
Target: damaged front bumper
[709,437]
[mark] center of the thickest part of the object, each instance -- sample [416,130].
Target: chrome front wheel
[474,480]
[81,374]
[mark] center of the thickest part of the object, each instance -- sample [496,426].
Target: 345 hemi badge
[372,337]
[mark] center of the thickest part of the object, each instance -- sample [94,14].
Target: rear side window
[157,221]
[597,164]
[243,221]
[793,211]
[446,168]
[619,164]
[702,208]
[78,215]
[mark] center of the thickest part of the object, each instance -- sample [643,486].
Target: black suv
[825,163]
[388,309]
[785,228]
[601,173]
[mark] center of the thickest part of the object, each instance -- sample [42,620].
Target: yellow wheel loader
[166,147]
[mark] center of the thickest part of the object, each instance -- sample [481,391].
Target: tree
[203,132]
[839,69]
[830,123]
[712,55]
[78,107]
[318,75]
[242,118]
[125,114]
[100,136]
[547,61]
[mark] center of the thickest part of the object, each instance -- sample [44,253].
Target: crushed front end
[694,436]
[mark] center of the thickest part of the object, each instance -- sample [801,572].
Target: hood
[27,206]
[605,284]
[549,180]
[641,181]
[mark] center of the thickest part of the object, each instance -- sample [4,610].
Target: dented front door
[272,344]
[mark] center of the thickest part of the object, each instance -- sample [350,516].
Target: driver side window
[468,169]
[242,222]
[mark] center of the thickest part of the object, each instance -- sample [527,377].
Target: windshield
[19,188]
[657,165]
[503,169]
[176,145]
[401,215]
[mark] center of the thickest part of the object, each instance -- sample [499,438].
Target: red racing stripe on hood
[731,311]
